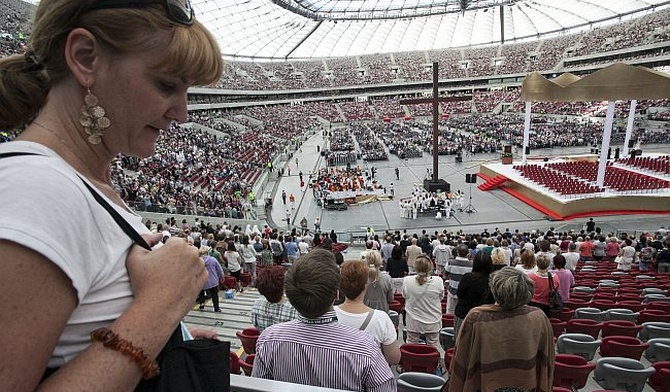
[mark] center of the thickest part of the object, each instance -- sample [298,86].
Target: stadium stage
[568,203]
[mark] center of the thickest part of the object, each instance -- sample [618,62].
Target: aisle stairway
[234,316]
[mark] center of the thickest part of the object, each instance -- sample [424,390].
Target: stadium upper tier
[644,40]
[309,29]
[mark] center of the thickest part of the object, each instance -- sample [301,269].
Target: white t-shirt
[45,207]
[571,259]
[380,327]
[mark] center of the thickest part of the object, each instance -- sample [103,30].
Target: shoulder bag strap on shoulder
[367,320]
[551,281]
[125,226]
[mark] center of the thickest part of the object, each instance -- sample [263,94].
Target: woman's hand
[170,276]
[203,333]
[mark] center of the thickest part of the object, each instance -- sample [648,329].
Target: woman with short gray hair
[488,357]
[510,289]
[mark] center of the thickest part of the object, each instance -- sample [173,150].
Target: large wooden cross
[435,100]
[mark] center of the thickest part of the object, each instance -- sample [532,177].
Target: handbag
[555,300]
[201,365]
[618,259]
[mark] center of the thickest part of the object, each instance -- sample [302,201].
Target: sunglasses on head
[179,11]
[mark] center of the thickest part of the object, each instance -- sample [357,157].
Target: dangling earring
[92,118]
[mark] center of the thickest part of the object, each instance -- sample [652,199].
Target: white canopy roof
[298,29]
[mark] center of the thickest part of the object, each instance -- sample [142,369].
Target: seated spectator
[488,357]
[315,349]
[272,307]
[354,312]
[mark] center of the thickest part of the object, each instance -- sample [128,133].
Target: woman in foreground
[98,78]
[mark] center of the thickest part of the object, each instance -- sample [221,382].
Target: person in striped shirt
[315,349]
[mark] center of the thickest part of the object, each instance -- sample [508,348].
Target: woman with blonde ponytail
[380,290]
[423,294]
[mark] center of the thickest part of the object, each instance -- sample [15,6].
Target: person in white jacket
[441,255]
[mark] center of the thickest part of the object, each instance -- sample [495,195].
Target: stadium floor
[494,208]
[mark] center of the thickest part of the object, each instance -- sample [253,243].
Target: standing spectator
[292,251]
[397,268]
[423,295]
[303,246]
[234,264]
[441,253]
[355,313]
[271,307]
[387,248]
[413,251]
[599,246]
[540,278]
[646,256]
[528,261]
[663,258]
[379,292]
[612,248]
[277,249]
[333,236]
[460,266]
[94,83]
[214,276]
[315,349]
[249,254]
[565,277]
[628,256]
[571,258]
[474,288]
[586,250]
[488,357]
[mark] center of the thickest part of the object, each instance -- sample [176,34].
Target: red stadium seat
[419,358]
[571,371]
[247,364]
[248,337]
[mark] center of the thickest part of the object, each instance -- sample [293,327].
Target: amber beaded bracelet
[111,340]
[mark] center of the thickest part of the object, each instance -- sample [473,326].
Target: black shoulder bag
[200,365]
[555,300]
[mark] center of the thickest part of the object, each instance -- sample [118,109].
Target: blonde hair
[374,261]
[423,267]
[192,53]
[498,257]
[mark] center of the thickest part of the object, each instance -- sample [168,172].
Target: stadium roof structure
[281,30]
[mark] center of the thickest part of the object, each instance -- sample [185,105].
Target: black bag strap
[551,281]
[125,226]
[367,320]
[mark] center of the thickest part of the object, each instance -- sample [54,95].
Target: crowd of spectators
[511,58]
[341,140]
[15,26]
[371,147]
[639,31]
[191,172]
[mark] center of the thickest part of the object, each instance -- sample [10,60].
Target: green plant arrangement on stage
[506,158]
